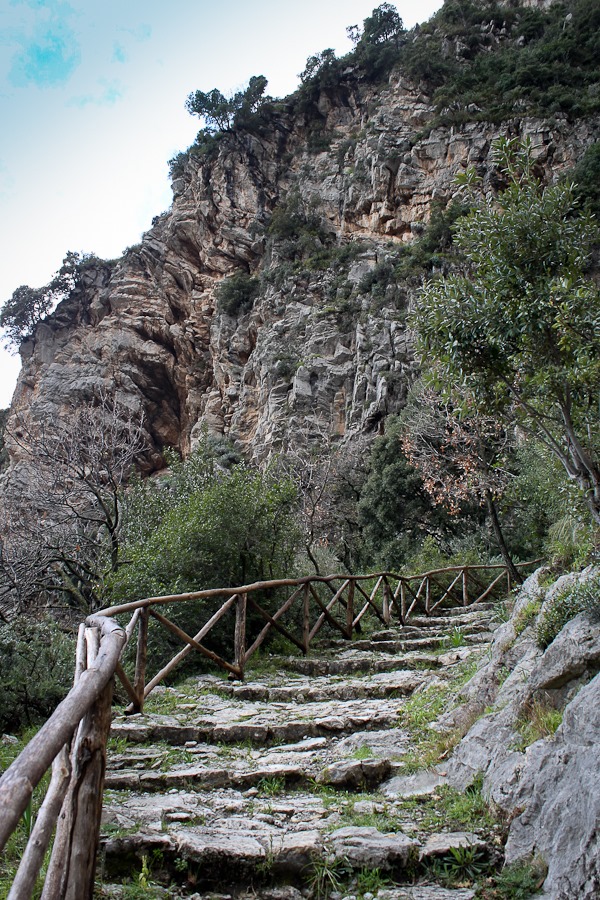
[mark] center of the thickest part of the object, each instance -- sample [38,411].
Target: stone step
[440,640]
[422,891]
[355,661]
[362,760]
[292,839]
[260,723]
[319,688]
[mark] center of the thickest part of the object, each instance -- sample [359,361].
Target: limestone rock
[559,789]
[355,774]
[364,846]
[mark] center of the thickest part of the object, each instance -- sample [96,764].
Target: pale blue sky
[92,97]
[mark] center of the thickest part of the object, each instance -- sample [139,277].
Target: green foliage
[584,596]
[508,60]
[225,114]
[297,230]
[395,513]
[36,661]
[538,721]
[20,315]
[236,294]
[586,177]
[232,528]
[526,615]
[205,526]
[520,881]
[519,327]
[327,876]
[460,865]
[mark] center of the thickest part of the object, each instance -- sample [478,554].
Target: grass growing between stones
[537,721]
[520,881]
[422,710]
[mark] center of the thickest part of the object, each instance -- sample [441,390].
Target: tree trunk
[493,514]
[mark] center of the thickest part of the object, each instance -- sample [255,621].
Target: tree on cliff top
[221,113]
[518,329]
[22,312]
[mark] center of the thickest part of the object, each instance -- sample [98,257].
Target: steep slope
[318,204]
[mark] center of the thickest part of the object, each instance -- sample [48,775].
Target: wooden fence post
[73,863]
[386,603]
[306,619]
[465,587]
[402,602]
[350,610]
[240,633]
[139,683]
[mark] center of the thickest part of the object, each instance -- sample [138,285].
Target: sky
[92,107]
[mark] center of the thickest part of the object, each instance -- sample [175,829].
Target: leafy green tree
[20,314]
[27,306]
[225,114]
[395,512]
[383,25]
[206,526]
[518,328]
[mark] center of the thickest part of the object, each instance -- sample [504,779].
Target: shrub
[584,596]
[236,294]
[204,526]
[36,660]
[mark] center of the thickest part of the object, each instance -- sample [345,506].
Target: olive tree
[517,328]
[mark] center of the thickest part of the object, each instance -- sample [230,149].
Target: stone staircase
[299,782]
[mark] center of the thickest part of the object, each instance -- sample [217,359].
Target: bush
[236,294]
[201,527]
[584,596]
[36,661]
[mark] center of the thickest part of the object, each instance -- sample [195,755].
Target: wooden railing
[73,740]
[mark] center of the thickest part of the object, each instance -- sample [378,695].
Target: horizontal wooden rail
[73,740]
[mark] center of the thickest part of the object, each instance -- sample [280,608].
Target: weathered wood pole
[386,610]
[465,586]
[240,633]
[73,863]
[141,657]
[39,840]
[306,618]
[403,602]
[350,610]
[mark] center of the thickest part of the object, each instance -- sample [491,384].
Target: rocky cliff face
[323,349]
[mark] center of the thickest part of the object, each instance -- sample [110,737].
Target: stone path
[295,783]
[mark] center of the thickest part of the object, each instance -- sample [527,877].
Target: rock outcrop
[548,788]
[323,349]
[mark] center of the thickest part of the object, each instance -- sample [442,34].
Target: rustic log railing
[73,740]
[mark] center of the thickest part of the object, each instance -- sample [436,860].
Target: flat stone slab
[421,784]
[444,843]
[426,892]
[365,846]
[258,722]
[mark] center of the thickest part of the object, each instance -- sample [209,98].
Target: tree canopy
[223,114]
[518,327]
[27,306]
